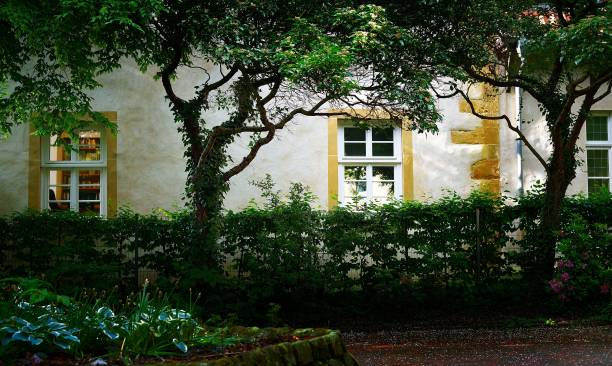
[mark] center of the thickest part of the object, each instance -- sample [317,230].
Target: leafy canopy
[53,52]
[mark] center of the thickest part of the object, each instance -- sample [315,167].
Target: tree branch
[271,129]
[203,94]
[518,82]
[504,117]
[604,94]
[594,85]
[559,8]
[263,116]
[177,46]
[555,75]
[585,108]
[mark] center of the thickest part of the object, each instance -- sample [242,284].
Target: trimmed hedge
[290,253]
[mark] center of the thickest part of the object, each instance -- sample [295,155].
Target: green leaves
[43,329]
[307,55]
[34,291]
[180,345]
[151,328]
[53,51]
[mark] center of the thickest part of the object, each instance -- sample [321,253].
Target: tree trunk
[208,189]
[202,249]
[558,178]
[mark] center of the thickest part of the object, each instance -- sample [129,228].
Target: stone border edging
[325,350]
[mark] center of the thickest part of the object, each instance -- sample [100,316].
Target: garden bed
[41,327]
[270,346]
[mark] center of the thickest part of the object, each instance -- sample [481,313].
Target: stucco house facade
[143,167]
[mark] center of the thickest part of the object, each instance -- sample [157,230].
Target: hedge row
[287,247]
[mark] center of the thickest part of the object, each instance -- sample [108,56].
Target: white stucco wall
[439,165]
[150,164]
[509,170]
[534,128]
[14,170]
[298,154]
[151,167]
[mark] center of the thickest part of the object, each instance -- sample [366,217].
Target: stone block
[326,348]
[490,152]
[334,362]
[490,185]
[337,346]
[476,136]
[488,106]
[490,123]
[491,135]
[485,169]
[257,357]
[303,352]
[286,352]
[321,348]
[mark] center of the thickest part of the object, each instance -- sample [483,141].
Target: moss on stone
[325,349]
[303,352]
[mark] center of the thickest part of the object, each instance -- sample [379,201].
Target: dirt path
[587,346]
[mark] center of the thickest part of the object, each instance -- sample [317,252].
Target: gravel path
[587,346]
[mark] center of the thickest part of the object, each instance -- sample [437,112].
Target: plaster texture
[13,170]
[534,127]
[151,167]
[439,165]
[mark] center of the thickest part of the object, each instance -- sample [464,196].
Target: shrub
[583,270]
[148,328]
[306,260]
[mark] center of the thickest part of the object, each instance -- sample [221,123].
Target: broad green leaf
[35,340]
[180,345]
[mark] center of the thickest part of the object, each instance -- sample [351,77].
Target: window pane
[597,163]
[59,206]
[354,149]
[89,145]
[59,152]
[59,193]
[89,208]
[383,173]
[89,193]
[354,134]
[382,149]
[89,184]
[354,173]
[597,128]
[89,177]
[89,153]
[382,134]
[352,189]
[596,185]
[59,177]
[383,189]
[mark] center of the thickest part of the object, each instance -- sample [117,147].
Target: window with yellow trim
[369,164]
[599,152]
[73,173]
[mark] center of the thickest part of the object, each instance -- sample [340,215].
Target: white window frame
[370,161]
[74,165]
[601,145]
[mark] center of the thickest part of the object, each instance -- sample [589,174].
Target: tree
[273,61]
[564,64]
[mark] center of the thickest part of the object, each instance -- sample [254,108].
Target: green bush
[56,323]
[287,247]
[286,252]
[583,270]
